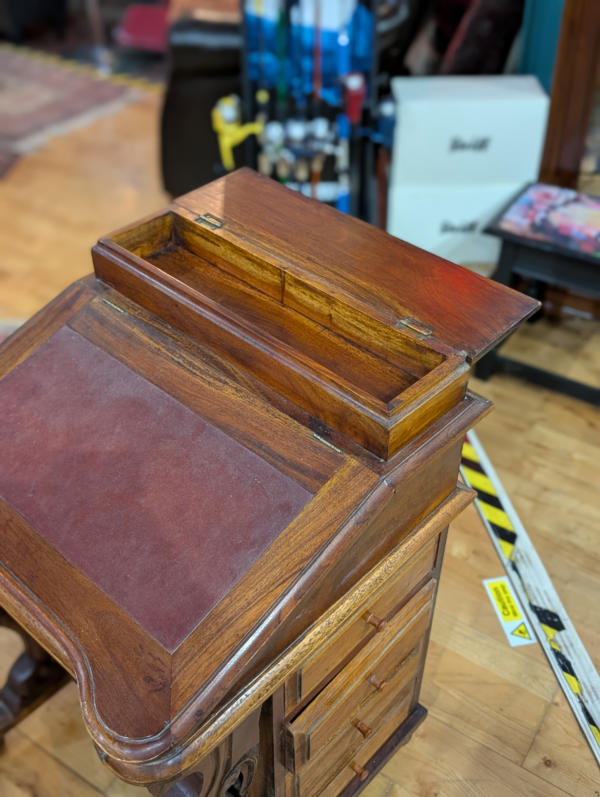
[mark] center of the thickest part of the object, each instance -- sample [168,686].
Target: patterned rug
[42,96]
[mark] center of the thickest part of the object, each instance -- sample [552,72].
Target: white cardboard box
[448,220]
[468,130]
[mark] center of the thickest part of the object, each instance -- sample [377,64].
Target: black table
[537,245]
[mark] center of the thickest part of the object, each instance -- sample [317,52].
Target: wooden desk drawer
[331,787]
[361,685]
[315,673]
[334,762]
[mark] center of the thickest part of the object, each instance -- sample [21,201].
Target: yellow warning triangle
[521,630]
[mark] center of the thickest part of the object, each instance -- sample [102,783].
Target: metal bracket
[212,222]
[327,443]
[114,306]
[411,323]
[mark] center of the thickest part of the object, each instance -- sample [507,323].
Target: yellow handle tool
[230,132]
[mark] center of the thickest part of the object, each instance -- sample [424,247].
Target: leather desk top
[134,489]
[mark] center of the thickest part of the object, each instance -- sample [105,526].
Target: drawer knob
[360,771]
[377,624]
[364,729]
[378,682]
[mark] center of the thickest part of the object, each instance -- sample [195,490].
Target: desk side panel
[410,492]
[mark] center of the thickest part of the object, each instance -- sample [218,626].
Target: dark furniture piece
[543,263]
[204,65]
[483,38]
[18,15]
[230,459]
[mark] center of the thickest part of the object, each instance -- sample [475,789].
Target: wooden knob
[364,729]
[362,773]
[377,624]
[377,682]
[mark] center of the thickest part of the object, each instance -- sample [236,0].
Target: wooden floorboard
[57,201]
[498,724]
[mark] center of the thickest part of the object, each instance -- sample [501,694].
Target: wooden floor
[56,202]
[498,723]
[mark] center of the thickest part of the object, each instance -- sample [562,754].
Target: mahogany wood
[342,701]
[362,728]
[377,682]
[363,774]
[344,611]
[311,253]
[307,680]
[332,769]
[377,624]
[401,736]
[230,460]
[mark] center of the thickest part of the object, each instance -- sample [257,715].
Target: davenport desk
[228,462]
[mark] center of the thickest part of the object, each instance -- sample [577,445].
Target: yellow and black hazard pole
[487,500]
[566,654]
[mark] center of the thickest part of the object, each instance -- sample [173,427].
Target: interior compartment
[255,294]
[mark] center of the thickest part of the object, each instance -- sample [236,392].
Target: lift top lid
[454,309]
[367,334]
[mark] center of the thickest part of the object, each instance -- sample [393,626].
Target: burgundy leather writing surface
[162,510]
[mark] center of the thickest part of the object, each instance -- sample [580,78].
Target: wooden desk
[229,462]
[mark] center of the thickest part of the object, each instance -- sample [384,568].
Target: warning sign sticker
[513,621]
[521,631]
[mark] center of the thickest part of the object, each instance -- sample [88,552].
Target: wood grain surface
[498,723]
[130,725]
[243,303]
[476,316]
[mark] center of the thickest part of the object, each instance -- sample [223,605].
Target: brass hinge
[211,221]
[114,306]
[416,326]
[327,443]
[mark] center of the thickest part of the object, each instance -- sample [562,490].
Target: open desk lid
[452,308]
[368,335]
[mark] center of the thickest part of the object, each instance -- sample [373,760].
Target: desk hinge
[327,443]
[114,306]
[416,326]
[212,222]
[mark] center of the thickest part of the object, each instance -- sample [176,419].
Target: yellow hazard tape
[508,549]
[496,516]
[469,452]
[550,634]
[478,481]
[479,474]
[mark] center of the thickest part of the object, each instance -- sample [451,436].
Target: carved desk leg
[215,777]
[227,771]
[34,677]
[188,787]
